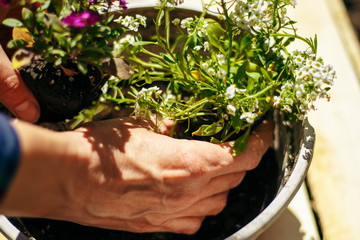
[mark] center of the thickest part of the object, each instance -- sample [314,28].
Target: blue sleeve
[9,154]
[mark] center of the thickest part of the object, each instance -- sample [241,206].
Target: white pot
[293,146]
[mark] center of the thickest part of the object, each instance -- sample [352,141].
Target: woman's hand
[118,174]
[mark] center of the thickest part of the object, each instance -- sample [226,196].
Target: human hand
[14,94]
[118,174]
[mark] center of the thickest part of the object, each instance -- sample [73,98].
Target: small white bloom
[222,73]
[249,117]
[276,101]
[141,19]
[186,23]
[134,26]
[206,46]
[231,109]
[211,71]
[126,21]
[221,59]
[231,91]
[287,108]
[289,101]
[197,48]
[176,21]
[205,65]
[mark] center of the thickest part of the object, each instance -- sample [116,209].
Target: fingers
[187,221]
[14,94]
[258,143]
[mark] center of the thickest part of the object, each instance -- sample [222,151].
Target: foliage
[62,31]
[221,74]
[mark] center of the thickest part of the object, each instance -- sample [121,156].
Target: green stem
[196,105]
[307,41]
[230,34]
[261,92]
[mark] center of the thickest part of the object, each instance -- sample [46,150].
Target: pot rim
[286,193]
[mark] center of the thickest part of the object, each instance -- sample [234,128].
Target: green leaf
[160,17]
[215,33]
[245,42]
[82,66]
[17,43]
[142,43]
[59,52]
[167,58]
[215,141]
[12,22]
[158,61]
[28,18]
[288,41]
[209,130]
[45,5]
[241,143]
[116,32]
[254,75]
[265,74]
[57,6]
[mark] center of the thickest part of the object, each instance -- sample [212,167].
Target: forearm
[47,159]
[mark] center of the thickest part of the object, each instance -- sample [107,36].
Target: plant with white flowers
[221,74]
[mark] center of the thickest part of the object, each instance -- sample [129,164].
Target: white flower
[222,73]
[176,21]
[276,101]
[221,59]
[231,91]
[231,109]
[134,26]
[211,71]
[287,108]
[141,19]
[249,117]
[289,101]
[205,65]
[186,23]
[169,98]
[197,48]
[127,39]
[126,21]
[206,46]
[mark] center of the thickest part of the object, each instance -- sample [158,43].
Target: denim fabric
[9,154]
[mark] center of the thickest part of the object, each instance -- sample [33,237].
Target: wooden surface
[334,177]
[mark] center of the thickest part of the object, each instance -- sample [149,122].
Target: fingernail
[27,111]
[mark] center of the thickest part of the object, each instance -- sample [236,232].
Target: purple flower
[81,19]
[122,4]
[5,3]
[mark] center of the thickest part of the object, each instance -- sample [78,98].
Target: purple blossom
[122,4]
[5,3]
[81,19]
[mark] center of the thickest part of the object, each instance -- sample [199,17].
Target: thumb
[14,94]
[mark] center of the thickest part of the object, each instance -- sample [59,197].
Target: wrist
[37,189]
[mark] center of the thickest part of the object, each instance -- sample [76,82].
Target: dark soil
[245,202]
[61,96]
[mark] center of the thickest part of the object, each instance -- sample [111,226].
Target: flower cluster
[221,74]
[132,23]
[312,80]
[259,14]
[67,31]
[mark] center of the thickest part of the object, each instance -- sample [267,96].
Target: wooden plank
[334,174]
